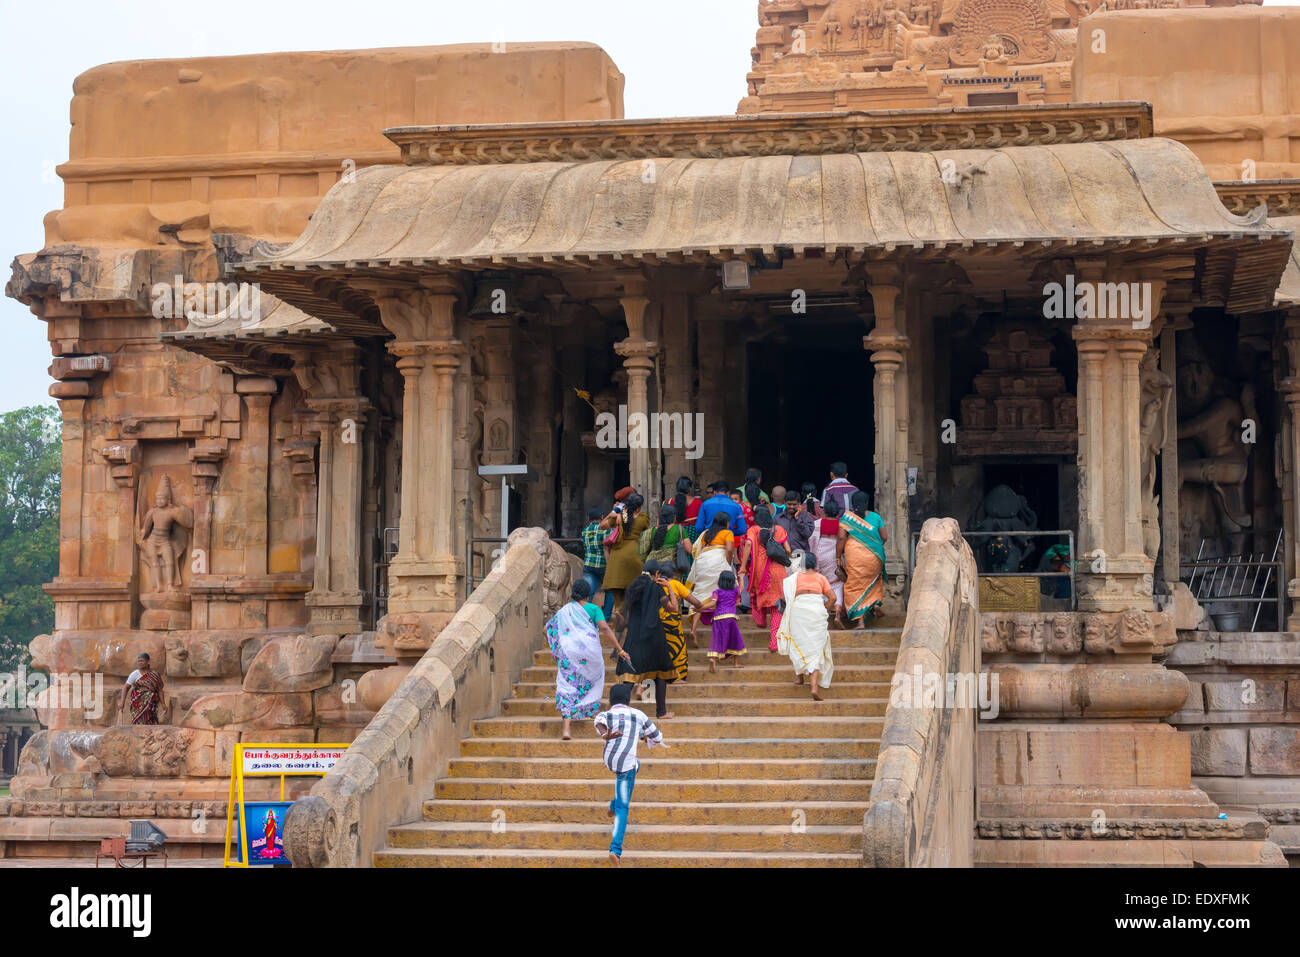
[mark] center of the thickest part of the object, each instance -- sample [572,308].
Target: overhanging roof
[1288,293]
[1048,200]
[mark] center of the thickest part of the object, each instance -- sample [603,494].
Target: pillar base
[424,587]
[405,636]
[336,613]
[1127,584]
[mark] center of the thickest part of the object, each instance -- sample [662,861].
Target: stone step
[754,668]
[699,657]
[770,813]
[710,728]
[585,739]
[513,836]
[691,688]
[664,765]
[479,857]
[686,790]
[832,704]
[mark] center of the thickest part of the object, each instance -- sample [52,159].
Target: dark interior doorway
[811,404]
[1040,484]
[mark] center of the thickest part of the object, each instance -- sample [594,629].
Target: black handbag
[775,550]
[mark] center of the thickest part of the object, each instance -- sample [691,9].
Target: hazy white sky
[681,58]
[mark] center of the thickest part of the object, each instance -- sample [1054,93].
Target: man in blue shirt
[720,501]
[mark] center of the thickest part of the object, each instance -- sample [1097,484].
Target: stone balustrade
[390,770]
[922,811]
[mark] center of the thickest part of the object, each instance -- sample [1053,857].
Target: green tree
[30,456]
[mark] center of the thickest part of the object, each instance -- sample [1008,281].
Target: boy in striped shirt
[622,727]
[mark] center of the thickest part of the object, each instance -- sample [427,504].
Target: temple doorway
[811,404]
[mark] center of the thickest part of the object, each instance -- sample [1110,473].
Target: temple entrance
[811,404]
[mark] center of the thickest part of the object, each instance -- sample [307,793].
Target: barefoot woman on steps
[574,638]
[648,654]
[804,635]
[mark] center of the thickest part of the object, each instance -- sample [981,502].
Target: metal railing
[1239,580]
[1065,533]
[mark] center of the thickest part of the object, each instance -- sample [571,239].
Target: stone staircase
[759,774]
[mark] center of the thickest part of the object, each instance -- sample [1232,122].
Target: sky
[680,57]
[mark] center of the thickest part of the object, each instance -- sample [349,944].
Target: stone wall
[1243,717]
[1225,82]
[923,801]
[390,770]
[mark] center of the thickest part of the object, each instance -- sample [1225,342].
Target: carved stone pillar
[1115,571]
[638,354]
[711,352]
[888,346]
[1290,388]
[677,386]
[424,578]
[258,391]
[497,390]
[332,383]
[206,456]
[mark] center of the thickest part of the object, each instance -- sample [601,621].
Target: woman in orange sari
[861,551]
[766,577]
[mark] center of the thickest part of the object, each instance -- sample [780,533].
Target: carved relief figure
[162,538]
[1212,457]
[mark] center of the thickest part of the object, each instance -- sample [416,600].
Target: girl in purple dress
[727,642]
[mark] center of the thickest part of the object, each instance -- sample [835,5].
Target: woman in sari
[687,504]
[715,553]
[574,638]
[825,544]
[861,551]
[622,563]
[680,597]
[804,634]
[648,656]
[144,688]
[763,575]
[659,544]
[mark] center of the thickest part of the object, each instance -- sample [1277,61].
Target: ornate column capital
[206,456]
[123,458]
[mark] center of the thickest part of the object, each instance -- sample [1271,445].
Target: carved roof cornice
[773,134]
[1281,196]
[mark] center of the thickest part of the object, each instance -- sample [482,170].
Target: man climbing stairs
[759,774]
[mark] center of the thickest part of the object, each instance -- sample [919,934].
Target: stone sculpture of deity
[162,538]
[1212,455]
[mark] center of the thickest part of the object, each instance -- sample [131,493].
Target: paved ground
[53,862]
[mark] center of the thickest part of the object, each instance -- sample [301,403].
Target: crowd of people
[794,562]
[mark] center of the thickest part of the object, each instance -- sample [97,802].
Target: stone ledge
[1123,829]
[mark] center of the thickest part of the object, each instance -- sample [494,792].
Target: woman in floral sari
[715,552]
[861,550]
[574,637]
[764,575]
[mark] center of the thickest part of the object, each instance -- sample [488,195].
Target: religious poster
[264,821]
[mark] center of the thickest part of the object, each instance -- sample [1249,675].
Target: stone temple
[1026,265]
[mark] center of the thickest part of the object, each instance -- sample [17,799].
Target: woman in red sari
[144,688]
[766,577]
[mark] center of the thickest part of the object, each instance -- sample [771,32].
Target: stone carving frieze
[1072,633]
